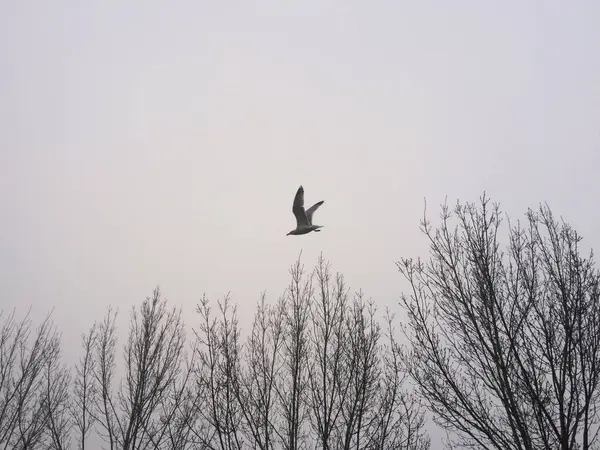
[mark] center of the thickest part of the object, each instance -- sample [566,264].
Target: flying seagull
[304,217]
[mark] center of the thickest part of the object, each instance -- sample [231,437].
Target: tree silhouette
[84,390]
[315,370]
[138,413]
[33,386]
[256,390]
[219,348]
[505,344]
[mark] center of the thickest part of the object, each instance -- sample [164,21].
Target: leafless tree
[363,368]
[137,415]
[356,396]
[182,409]
[400,422]
[311,373]
[32,385]
[256,387]
[105,410]
[330,365]
[506,344]
[219,349]
[292,383]
[56,401]
[84,390]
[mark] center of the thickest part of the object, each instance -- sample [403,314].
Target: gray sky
[157,142]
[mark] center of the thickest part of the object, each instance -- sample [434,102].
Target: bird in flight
[304,217]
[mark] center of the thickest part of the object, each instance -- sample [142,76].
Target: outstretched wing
[298,208]
[310,211]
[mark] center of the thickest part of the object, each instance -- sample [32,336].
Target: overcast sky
[156,142]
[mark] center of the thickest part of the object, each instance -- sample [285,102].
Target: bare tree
[309,374]
[291,386]
[32,385]
[355,393]
[329,374]
[182,408]
[56,400]
[219,350]
[506,344]
[84,389]
[400,422]
[105,411]
[137,415]
[256,390]
[363,368]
